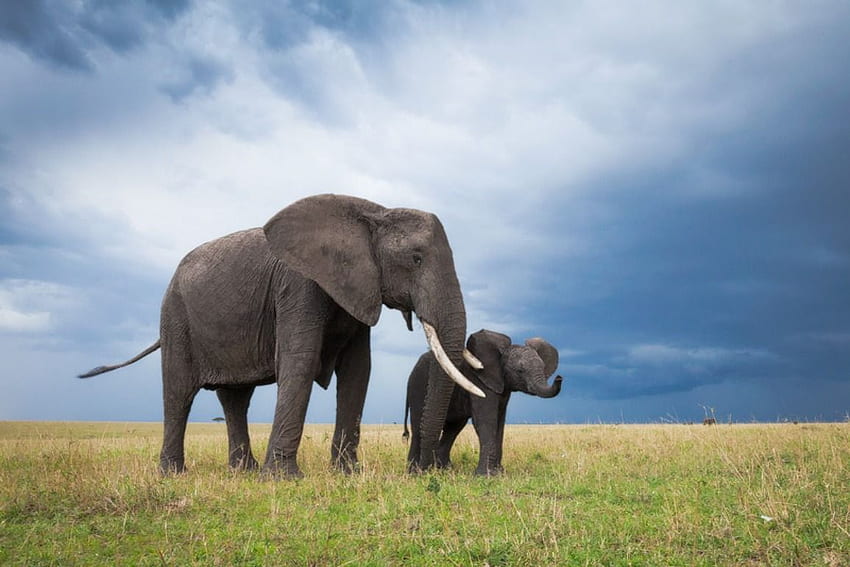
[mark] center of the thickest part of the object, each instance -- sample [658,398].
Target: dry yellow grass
[90,494]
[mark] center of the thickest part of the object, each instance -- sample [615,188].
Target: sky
[660,189]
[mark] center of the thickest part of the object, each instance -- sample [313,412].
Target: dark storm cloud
[44,33]
[64,34]
[718,261]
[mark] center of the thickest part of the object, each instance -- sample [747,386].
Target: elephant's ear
[489,346]
[327,238]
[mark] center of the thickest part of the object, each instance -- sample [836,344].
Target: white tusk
[446,364]
[472,360]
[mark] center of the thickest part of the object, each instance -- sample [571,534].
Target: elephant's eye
[417,259]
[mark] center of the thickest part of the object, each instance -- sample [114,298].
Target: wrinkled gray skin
[292,303]
[507,368]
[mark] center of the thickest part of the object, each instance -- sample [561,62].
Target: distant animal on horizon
[292,303]
[709,421]
[507,368]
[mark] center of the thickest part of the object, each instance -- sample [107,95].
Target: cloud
[199,74]
[659,191]
[68,35]
[659,369]
[13,320]
[29,306]
[825,338]
[43,33]
[659,354]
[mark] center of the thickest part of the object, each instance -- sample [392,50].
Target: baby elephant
[507,368]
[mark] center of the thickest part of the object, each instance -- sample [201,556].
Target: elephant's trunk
[438,302]
[549,355]
[451,330]
[542,389]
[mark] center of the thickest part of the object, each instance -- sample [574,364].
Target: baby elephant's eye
[417,259]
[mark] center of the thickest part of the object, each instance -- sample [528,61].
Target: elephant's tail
[102,369]
[406,434]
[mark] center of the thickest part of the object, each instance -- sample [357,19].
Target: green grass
[90,494]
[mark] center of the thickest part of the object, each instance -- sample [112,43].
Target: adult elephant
[507,368]
[292,303]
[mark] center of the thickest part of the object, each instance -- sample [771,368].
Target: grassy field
[90,494]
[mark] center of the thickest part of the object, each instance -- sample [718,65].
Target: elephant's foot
[282,468]
[243,462]
[417,468]
[171,466]
[347,466]
[489,471]
[345,461]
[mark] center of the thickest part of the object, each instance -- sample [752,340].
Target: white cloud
[837,339]
[29,306]
[13,320]
[661,354]
[569,352]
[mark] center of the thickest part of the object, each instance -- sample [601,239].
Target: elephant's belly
[212,376]
[215,382]
[237,361]
[234,346]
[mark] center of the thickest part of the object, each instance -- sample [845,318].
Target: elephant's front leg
[500,433]
[485,418]
[352,372]
[235,403]
[296,373]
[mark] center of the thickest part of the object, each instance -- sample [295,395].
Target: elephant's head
[524,368]
[364,255]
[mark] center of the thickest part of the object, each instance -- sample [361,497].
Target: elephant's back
[226,278]
[239,250]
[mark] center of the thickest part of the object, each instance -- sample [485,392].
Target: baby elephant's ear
[547,353]
[488,347]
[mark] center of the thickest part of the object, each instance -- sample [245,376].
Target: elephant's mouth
[443,360]
[408,318]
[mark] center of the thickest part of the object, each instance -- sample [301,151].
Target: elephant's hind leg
[177,402]
[235,404]
[179,383]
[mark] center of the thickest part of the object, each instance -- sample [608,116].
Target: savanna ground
[90,494]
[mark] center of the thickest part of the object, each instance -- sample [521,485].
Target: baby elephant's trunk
[549,355]
[544,390]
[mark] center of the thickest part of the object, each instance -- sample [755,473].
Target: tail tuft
[95,371]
